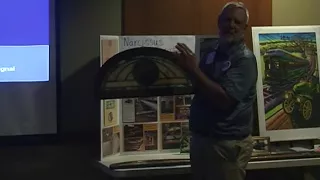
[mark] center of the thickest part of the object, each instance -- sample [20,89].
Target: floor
[48,162]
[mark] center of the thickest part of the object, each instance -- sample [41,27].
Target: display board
[288,81]
[143,124]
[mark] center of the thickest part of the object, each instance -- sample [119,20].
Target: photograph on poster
[288,81]
[110,141]
[146,109]
[171,135]
[128,110]
[107,141]
[139,110]
[185,129]
[182,112]
[116,140]
[185,139]
[133,137]
[140,137]
[182,107]
[109,47]
[150,136]
[110,112]
[167,108]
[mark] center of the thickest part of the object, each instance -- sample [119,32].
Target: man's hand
[186,59]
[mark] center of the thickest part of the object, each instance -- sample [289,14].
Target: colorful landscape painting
[290,78]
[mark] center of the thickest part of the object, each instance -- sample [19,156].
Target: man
[225,89]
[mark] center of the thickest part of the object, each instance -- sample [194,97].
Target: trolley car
[281,67]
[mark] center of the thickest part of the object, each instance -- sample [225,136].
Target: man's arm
[234,86]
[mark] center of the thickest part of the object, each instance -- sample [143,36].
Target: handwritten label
[163,42]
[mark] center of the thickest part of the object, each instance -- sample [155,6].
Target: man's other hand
[185,58]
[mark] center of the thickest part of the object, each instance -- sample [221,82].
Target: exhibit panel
[155,124]
[288,81]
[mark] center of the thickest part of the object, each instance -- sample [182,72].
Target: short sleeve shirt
[236,72]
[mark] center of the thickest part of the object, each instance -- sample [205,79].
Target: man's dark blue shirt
[236,71]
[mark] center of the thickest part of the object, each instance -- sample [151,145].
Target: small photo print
[171,135]
[150,132]
[109,48]
[107,144]
[188,99]
[182,107]
[110,141]
[116,140]
[146,109]
[179,100]
[110,112]
[133,137]
[183,100]
[128,110]
[185,128]
[167,108]
[185,140]
[182,112]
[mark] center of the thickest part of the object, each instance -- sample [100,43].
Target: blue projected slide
[24,40]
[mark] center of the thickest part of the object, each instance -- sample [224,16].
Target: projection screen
[27,68]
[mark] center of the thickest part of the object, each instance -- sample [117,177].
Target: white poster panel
[288,81]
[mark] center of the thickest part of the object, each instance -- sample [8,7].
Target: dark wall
[81,24]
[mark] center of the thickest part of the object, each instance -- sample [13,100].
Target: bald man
[225,90]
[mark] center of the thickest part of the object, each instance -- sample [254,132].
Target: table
[107,163]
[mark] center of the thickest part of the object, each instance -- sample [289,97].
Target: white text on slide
[7,69]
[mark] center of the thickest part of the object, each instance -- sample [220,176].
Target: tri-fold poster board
[144,124]
[288,92]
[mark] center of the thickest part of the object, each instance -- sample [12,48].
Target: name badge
[226,65]
[210,57]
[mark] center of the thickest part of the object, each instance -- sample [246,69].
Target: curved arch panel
[141,72]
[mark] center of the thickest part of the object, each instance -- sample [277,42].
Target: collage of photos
[140,137]
[141,126]
[140,110]
[110,141]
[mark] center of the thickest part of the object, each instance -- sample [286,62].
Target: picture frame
[288,81]
[261,146]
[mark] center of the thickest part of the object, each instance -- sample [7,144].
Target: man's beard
[229,40]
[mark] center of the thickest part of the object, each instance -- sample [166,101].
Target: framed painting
[288,89]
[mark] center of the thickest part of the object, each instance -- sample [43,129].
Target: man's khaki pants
[213,159]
